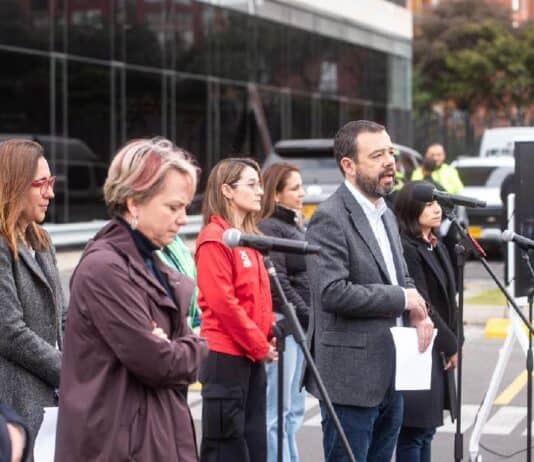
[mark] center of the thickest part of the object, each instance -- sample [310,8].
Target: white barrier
[77,234]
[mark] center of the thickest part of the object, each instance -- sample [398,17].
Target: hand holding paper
[413,368]
[425,333]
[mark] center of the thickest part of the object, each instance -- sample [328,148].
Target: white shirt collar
[376,209]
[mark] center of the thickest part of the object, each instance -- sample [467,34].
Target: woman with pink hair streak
[129,353]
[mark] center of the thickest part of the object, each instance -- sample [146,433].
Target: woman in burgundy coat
[129,354]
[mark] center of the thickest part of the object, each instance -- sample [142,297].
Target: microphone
[522,241]
[427,193]
[234,238]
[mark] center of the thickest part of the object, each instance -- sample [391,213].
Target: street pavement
[505,431]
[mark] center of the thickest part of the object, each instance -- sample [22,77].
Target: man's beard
[372,187]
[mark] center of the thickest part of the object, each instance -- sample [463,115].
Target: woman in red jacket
[235,300]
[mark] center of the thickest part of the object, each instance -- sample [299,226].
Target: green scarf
[178,256]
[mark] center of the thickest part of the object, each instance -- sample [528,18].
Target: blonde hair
[139,169]
[18,164]
[227,171]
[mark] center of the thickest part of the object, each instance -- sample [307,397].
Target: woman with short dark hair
[431,269]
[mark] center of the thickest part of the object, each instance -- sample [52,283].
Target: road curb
[496,328]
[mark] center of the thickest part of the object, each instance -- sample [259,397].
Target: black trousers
[233,409]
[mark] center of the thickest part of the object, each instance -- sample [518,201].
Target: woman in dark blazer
[32,303]
[282,207]
[430,267]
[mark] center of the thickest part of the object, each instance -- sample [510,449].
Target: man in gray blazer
[360,288]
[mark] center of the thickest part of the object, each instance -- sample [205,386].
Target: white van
[500,141]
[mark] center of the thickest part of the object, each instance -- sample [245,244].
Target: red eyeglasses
[44,184]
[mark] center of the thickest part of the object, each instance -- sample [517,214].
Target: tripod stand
[468,244]
[515,332]
[530,298]
[293,327]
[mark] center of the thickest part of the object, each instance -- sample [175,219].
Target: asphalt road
[504,431]
[475,270]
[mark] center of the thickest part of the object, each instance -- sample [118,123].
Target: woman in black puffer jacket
[281,214]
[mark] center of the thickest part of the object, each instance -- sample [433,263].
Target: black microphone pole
[461,255]
[280,334]
[294,327]
[468,244]
[530,297]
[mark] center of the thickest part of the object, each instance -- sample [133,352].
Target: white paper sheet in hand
[413,369]
[45,443]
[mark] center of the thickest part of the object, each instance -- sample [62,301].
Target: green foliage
[467,53]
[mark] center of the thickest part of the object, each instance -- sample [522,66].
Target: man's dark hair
[345,140]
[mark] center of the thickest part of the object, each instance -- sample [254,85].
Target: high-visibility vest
[399,180]
[445,175]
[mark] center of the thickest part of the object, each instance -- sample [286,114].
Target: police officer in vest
[435,169]
[445,177]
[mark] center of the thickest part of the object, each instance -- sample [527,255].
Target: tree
[467,54]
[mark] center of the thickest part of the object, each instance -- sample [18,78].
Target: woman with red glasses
[32,302]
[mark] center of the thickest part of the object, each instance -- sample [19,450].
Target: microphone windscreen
[423,192]
[507,235]
[231,237]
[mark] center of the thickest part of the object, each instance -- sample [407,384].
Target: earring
[133,222]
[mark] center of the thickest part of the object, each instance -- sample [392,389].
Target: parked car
[482,178]
[320,174]
[500,141]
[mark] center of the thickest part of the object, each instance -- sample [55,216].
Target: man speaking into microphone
[360,288]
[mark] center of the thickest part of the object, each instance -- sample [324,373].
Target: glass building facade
[84,76]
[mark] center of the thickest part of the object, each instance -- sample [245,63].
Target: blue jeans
[372,431]
[414,444]
[294,400]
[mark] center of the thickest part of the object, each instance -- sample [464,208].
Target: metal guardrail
[76,234]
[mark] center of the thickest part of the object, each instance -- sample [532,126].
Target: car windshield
[317,170]
[491,176]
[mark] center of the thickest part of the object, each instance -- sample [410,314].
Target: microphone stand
[529,366]
[293,327]
[469,245]
[461,257]
[280,333]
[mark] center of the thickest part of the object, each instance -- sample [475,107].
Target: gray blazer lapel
[33,265]
[47,265]
[394,243]
[363,228]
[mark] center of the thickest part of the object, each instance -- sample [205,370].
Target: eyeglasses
[254,185]
[44,184]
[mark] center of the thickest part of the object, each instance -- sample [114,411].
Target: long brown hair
[274,181]
[227,171]
[18,164]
